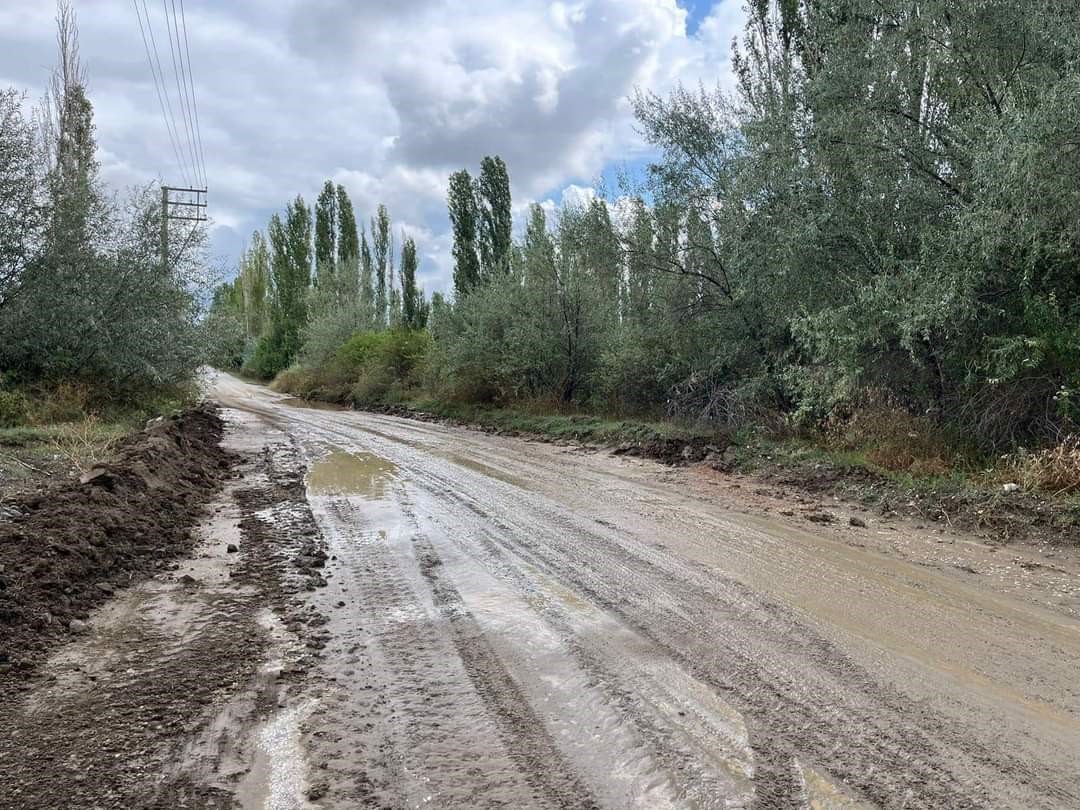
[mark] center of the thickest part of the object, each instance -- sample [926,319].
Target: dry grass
[893,439]
[1053,469]
[65,402]
[86,442]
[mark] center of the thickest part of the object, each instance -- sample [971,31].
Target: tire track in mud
[495,683]
[873,747]
[646,696]
[442,717]
[531,747]
[776,784]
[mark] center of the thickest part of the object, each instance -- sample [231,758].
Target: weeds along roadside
[50,431]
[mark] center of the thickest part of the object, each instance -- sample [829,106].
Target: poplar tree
[254,285]
[380,238]
[495,220]
[601,252]
[367,277]
[326,233]
[348,246]
[538,251]
[414,309]
[348,240]
[290,266]
[461,202]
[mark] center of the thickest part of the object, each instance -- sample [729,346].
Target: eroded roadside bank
[154,626]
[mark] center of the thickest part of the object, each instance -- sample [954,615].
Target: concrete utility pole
[195,200]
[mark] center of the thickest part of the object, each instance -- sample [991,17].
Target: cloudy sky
[386,97]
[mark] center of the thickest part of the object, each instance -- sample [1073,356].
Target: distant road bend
[525,625]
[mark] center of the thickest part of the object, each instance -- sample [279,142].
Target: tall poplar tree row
[480,214]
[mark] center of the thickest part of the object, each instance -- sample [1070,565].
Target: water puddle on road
[341,473]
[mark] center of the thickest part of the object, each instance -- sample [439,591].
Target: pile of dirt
[65,550]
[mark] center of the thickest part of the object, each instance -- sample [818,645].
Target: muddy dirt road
[381,613]
[515,624]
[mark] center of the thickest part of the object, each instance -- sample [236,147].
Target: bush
[892,438]
[371,368]
[271,355]
[389,364]
[358,349]
[14,409]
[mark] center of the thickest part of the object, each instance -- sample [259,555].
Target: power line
[189,132]
[162,101]
[188,89]
[191,81]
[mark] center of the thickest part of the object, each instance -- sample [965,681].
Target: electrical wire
[166,109]
[191,82]
[188,130]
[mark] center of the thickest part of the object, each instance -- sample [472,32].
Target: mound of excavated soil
[67,549]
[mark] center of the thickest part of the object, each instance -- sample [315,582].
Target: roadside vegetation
[97,333]
[867,250]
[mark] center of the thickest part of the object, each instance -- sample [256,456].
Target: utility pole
[188,198]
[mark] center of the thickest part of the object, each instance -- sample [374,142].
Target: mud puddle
[345,474]
[278,779]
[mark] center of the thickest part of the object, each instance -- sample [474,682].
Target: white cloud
[385,98]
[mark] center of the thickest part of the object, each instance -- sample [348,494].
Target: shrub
[389,364]
[14,409]
[358,349]
[891,437]
[271,355]
[66,402]
[371,368]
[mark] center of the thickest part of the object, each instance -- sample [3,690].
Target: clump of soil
[65,550]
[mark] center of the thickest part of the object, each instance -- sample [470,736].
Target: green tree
[414,308]
[290,267]
[367,277]
[464,214]
[326,233]
[382,253]
[254,287]
[21,209]
[495,222]
[348,246]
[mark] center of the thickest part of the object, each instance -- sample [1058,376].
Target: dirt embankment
[65,550]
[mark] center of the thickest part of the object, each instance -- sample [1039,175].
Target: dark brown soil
[156,706]
[63,551]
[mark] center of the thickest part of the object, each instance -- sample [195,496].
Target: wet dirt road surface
[522,625]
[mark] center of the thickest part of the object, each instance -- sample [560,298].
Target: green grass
[23,436]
